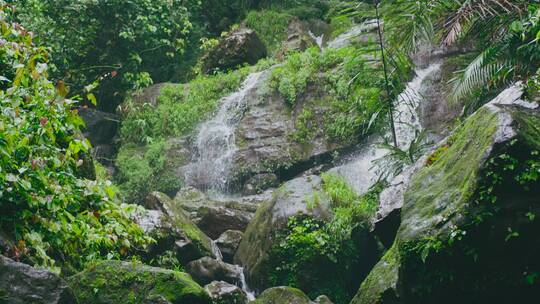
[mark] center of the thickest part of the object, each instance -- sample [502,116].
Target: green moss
[111,282]
[305,129]
[182,221]
[348,107]
[381,280]
[450,182]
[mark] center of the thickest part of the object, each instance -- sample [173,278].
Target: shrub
[53,214]
[308,249]
[123,44]
[142,170]
[351,84]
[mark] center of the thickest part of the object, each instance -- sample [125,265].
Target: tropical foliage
[53,213]
[123,45]
[505,34]
[308,248]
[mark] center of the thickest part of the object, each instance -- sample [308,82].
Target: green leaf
[92,98]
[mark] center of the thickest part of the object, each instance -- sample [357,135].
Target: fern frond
[479,72]
[467,11]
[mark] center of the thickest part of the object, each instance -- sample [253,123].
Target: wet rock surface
[206,270]
[447,214]
[228,243]
[225,293]
[23,284]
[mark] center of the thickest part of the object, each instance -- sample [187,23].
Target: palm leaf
[483,69]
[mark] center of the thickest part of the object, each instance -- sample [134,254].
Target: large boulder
[214,217]
[267,142]
[22,284]
[206,270]
[228,243]
[272,216]
[216,220]
[242,45]
[282,295]
[225,293]
[472,204]
[112,282]
[173,230]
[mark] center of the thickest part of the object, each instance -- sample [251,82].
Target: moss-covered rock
[112,282]
[282,295]
[467,210]
[214,217]
[173,230]
[272,216]
[242,45]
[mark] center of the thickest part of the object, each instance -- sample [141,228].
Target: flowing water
[346,38]
[240,270]
[215,142]
[318,39]
[359,169]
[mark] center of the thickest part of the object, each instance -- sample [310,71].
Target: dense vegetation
[50,203]
[59,211]
[308,249]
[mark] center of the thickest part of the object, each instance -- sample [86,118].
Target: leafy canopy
[46,206]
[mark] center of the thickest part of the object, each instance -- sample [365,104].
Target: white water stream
[318,39]
[243,283]
[345,39]
[359,170]
[216,142]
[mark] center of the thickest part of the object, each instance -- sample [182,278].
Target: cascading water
[243,283]
[345,39]
[359,169]
[318,39]
[215,142]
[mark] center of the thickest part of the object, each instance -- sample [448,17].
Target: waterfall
[318,39]
[215,141]
[240,270]
[344,39]
[359,169]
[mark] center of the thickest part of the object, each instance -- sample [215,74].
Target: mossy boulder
[282,295]
[173,230]
[466,211]
[240,46]
[112,282]
[288,201]
[214,217]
